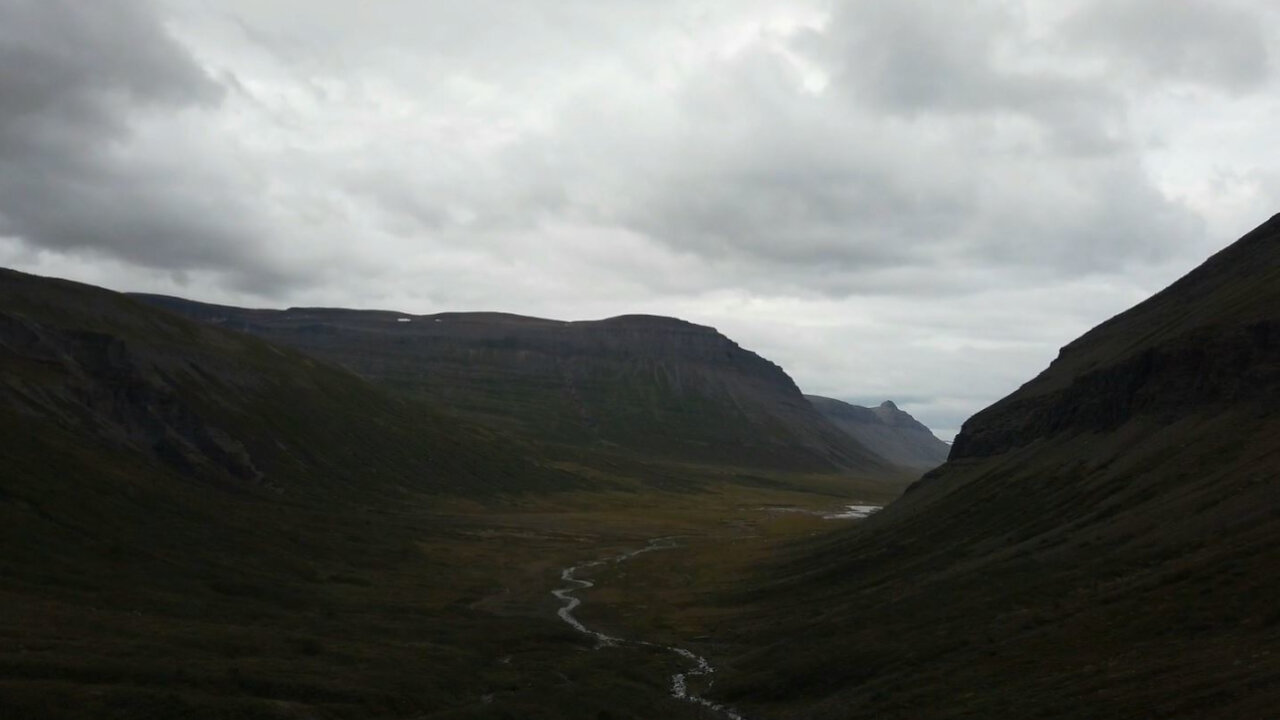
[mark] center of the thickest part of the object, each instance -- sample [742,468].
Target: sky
[908,200]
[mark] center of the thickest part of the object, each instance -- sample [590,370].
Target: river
[699,666]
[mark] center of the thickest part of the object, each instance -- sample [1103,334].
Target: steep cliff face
[1101,543]
[887,431]
[655,385]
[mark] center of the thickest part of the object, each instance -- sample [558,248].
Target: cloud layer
[915,200]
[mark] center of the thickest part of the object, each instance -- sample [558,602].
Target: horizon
[868,401]
[904,201]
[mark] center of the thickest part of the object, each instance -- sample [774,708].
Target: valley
[433,607]
[783,360]
[198,522]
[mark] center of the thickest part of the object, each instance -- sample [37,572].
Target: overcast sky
[892,199]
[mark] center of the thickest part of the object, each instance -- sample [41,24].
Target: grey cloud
[70,66]
[717,160]
[928,152]
[431,188]
[77,79]
[1081,217]
[920,57]
[794,198]
[133,214]
[1207,42]
[785,191]
[737,168]
[771,186]
[917,55]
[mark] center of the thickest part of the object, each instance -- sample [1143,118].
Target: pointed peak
[888,405]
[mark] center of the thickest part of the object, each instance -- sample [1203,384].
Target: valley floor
[442,608]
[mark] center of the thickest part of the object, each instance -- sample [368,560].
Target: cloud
[99,108]
[74,65]
[1211,43]
[912,199]
[924,153]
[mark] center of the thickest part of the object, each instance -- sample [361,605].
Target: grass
[435,606]
[1095,577]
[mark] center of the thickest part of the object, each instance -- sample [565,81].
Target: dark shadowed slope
[1103,542]
[196,524]
[886,431]
[658,386]
[111,375]
[140,449]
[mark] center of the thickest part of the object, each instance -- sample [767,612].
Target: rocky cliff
[655,385]
[887,431]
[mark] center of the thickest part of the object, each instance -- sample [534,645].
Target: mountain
[195,523]
[86,365]
[887,431]
[647,385]
[1102,543]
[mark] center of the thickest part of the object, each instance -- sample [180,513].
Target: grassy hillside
[1102,543]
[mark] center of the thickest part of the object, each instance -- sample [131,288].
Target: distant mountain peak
[887,430]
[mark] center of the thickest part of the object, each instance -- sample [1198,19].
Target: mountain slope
[1205,342]
[887,431]
[208,403]
[194,523]
[1101,544]
[657,386]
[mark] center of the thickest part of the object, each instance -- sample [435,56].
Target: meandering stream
[700,666]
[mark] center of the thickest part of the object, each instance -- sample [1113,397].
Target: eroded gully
[699,666]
